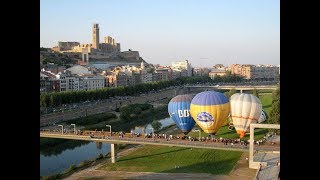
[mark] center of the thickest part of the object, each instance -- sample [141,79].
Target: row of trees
[274,117]
[54,99]
[229,78]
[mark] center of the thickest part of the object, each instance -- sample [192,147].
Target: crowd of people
[168,137]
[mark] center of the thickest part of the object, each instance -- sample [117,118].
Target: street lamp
[74,128]
[61,128]
[110,129]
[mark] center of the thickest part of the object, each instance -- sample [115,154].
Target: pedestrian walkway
[271,170]
[270,158]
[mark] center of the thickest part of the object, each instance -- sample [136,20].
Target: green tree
[255,92]
[71,168]
[156,125]
[230,93]
[274,117]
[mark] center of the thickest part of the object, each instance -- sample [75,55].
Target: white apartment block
[146,77]
[69,83]
[75,83]
[92,82]
[182,65]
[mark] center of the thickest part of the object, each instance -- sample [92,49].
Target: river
[57,163]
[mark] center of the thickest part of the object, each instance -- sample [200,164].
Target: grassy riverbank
[176,160]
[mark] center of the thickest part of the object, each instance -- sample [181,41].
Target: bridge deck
[163,142]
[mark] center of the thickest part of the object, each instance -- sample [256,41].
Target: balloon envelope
[245,109]
[263,116]
[210,110]
[179,111]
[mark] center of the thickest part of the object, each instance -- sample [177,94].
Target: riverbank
[95,164]
[240,169]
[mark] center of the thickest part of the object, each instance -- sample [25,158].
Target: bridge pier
[251,163]
[240,90]
[113,153]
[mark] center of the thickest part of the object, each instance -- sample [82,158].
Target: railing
[173,142]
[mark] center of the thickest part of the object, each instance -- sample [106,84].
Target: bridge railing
[155,141]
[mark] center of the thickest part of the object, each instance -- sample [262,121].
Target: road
[106,106]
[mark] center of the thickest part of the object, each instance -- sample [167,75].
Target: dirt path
[241,171]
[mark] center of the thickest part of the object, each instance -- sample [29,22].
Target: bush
[52,177]
[84,163]
[133,111]
[156,125]
[71,168]
[100,156]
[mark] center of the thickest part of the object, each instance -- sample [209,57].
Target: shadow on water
[138,157]
[49,147]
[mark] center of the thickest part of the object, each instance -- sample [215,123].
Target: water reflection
[57,163]
[148,128]
[59,148]
[99,145]
[55,158]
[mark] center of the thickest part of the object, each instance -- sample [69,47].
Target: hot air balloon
[179,111]
[245,109]
[263,116]
[210,110]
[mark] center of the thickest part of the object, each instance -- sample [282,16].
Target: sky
[204,32]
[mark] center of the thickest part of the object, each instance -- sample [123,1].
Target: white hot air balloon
[244,109]
[263,116]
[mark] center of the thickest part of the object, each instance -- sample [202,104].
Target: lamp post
[61,128]
[74,128]
[110,129]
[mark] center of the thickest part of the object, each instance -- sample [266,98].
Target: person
[260,167]
[278,163]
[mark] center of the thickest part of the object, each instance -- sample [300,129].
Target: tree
[274,117]
[255,92]
[230,93]
[156,125]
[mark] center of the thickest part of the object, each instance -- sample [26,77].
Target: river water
[52,164]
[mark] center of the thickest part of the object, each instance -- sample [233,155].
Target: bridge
[129,139]
[241,87]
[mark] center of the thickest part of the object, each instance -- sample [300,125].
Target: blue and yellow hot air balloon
[245,109]
[210,110]
[179,111]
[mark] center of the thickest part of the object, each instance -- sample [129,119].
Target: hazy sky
[205,32]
